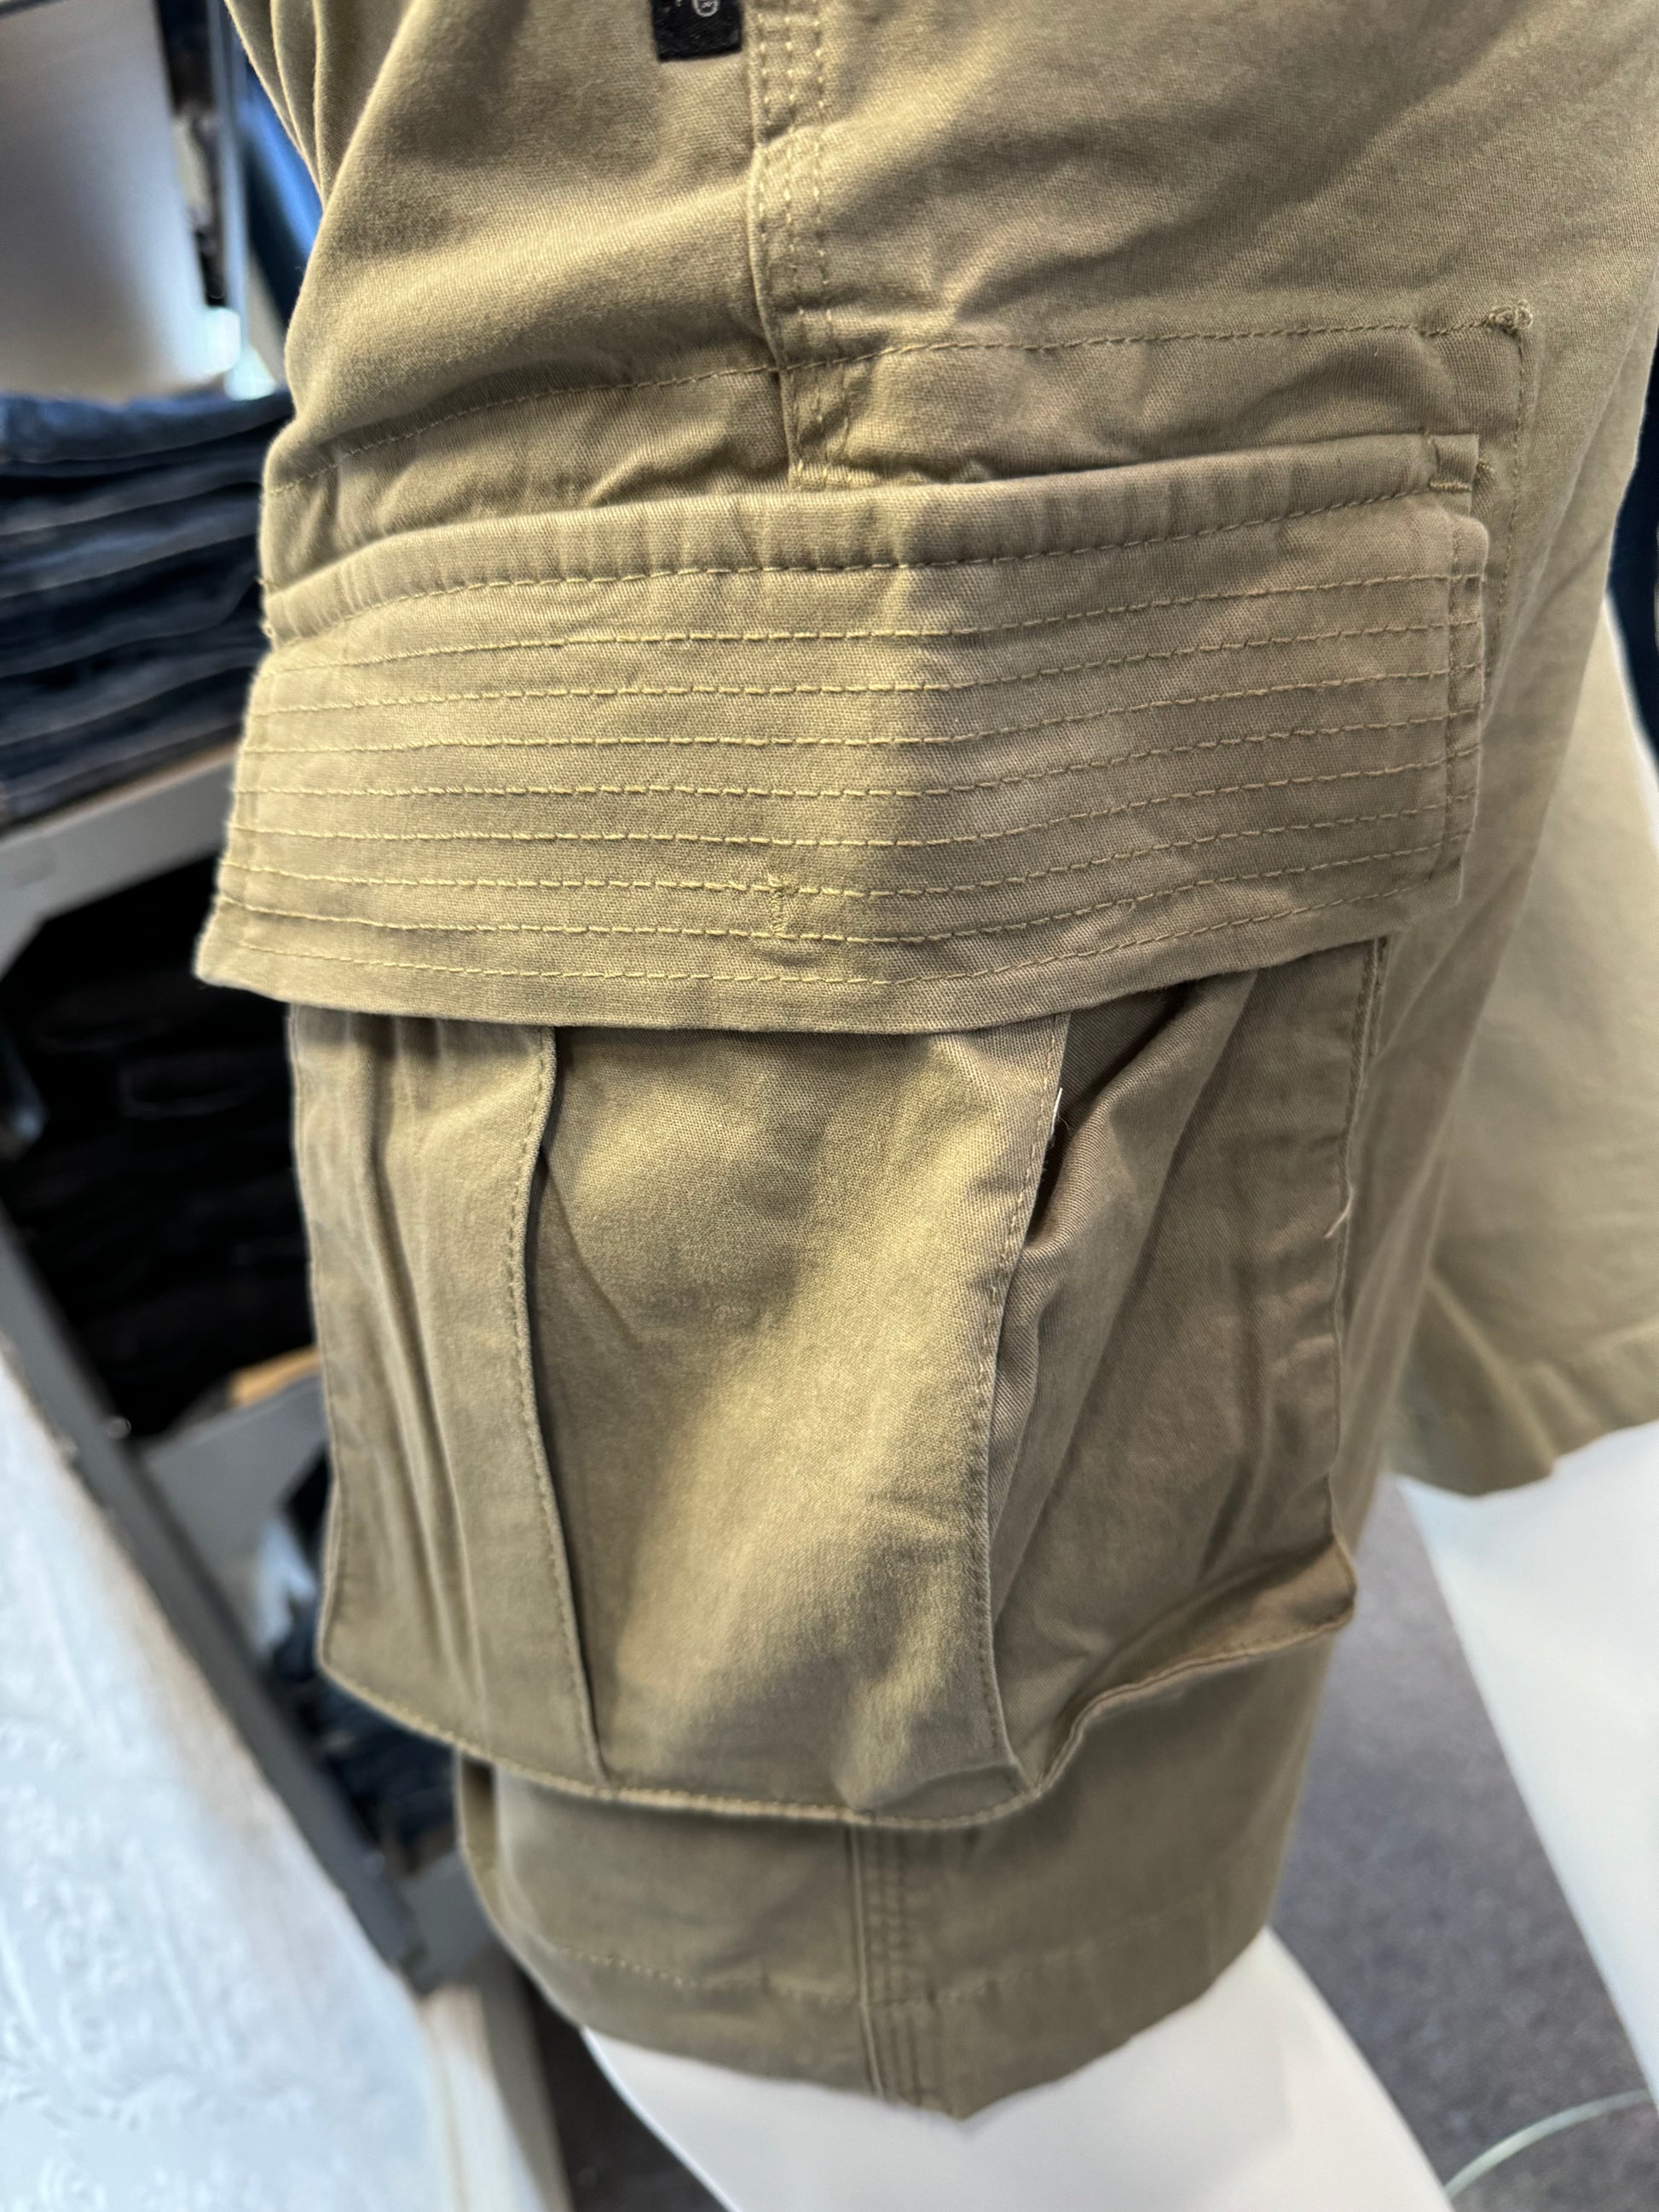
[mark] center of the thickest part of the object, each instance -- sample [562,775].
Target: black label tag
[687,28]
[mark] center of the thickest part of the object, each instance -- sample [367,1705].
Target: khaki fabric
[1538,1332]
[713,1298]
[879,1472]
[850,760]
[927,520]
[916,675]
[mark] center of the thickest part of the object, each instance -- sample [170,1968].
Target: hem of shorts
[1503,1424]
[1030,2021]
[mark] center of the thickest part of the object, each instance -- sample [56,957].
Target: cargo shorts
[911,705]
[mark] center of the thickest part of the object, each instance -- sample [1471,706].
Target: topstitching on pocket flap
[919,758]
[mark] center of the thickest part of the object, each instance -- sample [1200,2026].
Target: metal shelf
[188,1506]
[102,844]
[224,1475]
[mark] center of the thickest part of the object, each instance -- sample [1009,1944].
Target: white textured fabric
[190,2021]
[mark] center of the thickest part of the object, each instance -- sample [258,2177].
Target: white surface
[1555,1592]
[1252,2099]
[190,2021]
[99,273]
[504,2153]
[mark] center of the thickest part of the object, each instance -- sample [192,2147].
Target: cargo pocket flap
[912,758]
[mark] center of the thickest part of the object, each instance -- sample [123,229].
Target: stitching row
[857,636]
[859,690]
[845,361]
[835,890]
[776,844]
[867,568]
[817,981]
[827,937]
[738,791]
[257,754]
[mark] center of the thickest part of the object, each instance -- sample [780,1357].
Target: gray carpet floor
[1419,1898]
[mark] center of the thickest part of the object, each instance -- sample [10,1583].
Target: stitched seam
[819,980]
[910,2014]
[896,2022]
[278,669]
[772,317]
[257,754]
[788,146]
[865,1965]
[834,890]
[334,1547]
[1360,1035]
[749,791]
[877,353]
[517,1287]
[833,936]
[860,1838]
[1172,337]
[263,833]
[836,446]
[877,567]
[850,690]
[713,1985]
[783,638]
[1448,753]
[881,1945]
[860,637]
[799,304]
[1019,1214]
[885,1826]
[899,2018]
[1499,633]
[888,2025]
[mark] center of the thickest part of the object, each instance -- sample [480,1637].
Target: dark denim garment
[1633,579]
[129,607]
[192,598]
[158,1198]
[80,557]
[49,437]
[36,778]
[51,510]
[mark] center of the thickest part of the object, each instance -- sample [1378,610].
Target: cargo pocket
[1169,1391]
[786,1420]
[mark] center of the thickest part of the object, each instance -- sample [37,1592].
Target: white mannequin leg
[1252,2099]
[1555,1592]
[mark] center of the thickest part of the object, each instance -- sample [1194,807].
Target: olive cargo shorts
[916,674]
[823,1427]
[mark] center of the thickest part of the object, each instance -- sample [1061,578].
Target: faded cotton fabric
[913,759]
[751,1262]
[916,675]
[1538,1331]
[881,1463]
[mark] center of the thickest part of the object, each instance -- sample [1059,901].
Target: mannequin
[1254,2096]
[1555,1592]
[1252,2099]
[98,268]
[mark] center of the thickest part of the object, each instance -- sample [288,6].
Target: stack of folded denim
[152,1176]
[129,586]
